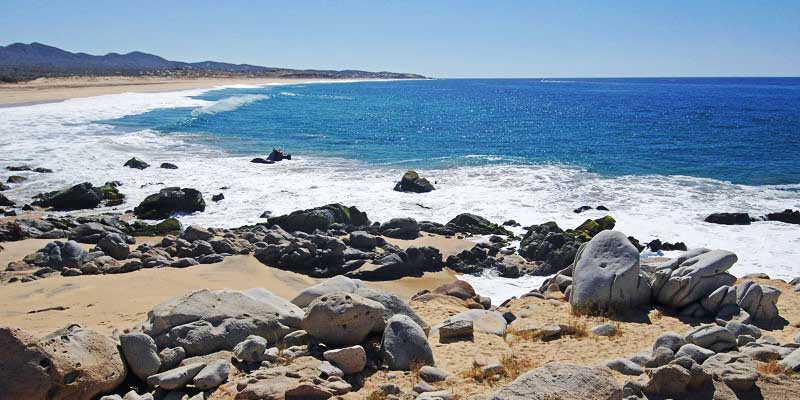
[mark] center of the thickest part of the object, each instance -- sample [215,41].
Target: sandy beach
[45,90]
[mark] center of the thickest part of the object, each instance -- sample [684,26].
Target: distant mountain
[21,61]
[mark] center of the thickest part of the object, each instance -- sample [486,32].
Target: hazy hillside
[19,62]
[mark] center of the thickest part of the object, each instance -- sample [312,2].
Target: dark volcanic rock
[278,155]
[471,223]
[18,168]
[412,182]
[167,165]
[319,218]
[16,179]
[551,246]
[581,209]
[136,163]
[3,187]
[217,197]
[400,228]
[43,170]
[413,261]
[729,218]
[5,202]
[656,245]
[169,201]
[78,197]
[788,216]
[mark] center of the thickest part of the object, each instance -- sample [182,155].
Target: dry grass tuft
[575,328]
[515,366]
[376,395]
[656,314]
[619,330]
[770,368]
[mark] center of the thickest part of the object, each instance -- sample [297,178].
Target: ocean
[661,154]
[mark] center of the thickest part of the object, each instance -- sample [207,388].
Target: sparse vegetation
[772,367]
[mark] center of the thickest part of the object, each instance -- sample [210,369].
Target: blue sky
[436,38]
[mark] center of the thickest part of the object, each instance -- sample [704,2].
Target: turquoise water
[741,130]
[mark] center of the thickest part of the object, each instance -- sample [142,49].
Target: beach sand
[45,90]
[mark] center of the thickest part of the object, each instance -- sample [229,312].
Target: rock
[167,165]
[712,337]
[319,218]
[335,284]
[217,197]
[788,216]
[792,361]
[589,228]
[734,369]
[206,321]
[482,321]
[212,375]
[404,343]
[760,301]
[307,391]
[400,228]
[16,179]
[656,245]
[278,155]
[412,182]
[606,275]
[413,261]
[342,319]
[731,312]
[362,240]
[136,163]
[70,364]
[437,395]
[670,340]
[171,357]
[141,354]
[5,202]
[92,232]
[457,288]
[432,374]
[471,223]
[761,353]
[251,349]
[339,387]
[115,246]
[729,218]
[183,262]
[625,367]
[695,352]
[351,360]
[169,201]
[661,356]
[328,369]
[694,278]
[738,329]
[562,381]
[194,232]
[175,378]
[604,330]
[78,197]
[668,380]
[169,226]
[456,330]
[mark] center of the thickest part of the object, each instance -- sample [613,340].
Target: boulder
[404,344]
[251,349]
[400,228]
[136,163]
[564,382]
[456,330]
[694,279]
[92,232]
[457,288]
[78,197]
[170,201]
[471,223]
[695,352]
[412,182]
[335,284]
[413,261]
[432,374]
[729,218]
[392,305]
[342,319]
[278,155]
[70,364]
[141,354]
[712,337]
[788,216]
[206,321]
[319,218]
[351,360]
[115,246]
[176,378]
[212,375]
[167,165]
[625,366]
[362,240]
[194,232]
[482,321]
[760,301]
[606,275]
[669,380]
[670,340]
[792,361]
[5,201]
[736,370]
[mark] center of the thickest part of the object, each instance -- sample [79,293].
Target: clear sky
[435,38]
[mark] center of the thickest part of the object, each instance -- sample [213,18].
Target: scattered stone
[217,197]
[167,165]
[482,321]
[604,330]
[456,330]
[351,360]
[566,381]
[251,349]
[670,340]
[432,374]
[667,380]
[695,352]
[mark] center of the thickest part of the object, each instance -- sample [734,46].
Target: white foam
[61,136]
[229,104]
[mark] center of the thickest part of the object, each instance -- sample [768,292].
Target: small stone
[350,360]
[604,330]
[625,366]
[330,370]
[432,374]
[213,375]
[461,329]
[175,378]
[251,349]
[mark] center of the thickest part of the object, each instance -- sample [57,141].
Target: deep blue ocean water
[742,130]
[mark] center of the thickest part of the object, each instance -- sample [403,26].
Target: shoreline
[54,90]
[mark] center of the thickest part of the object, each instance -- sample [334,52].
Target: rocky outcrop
[471,223]
[413,261]
[170,201]
[412,182]
[606,275]
[682,282]
[342,319]
[788,216]
[562,381]
[78,197]
[400,228]
[729,218]
[550,246]
[70,364]
[319,218]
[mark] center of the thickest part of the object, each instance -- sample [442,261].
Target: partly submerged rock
[170,201]
[412,182]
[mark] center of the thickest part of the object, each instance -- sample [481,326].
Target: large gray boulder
[70,364]
[339,283]
[206,321]
[342,319]
[712,337]
[141,353]
[606,275]
[760,301]
[115,246]
[176,378]
[404,344]
[792,361]
[392,305]
[564,382]
[212,375]
[736,370]
[694,279]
